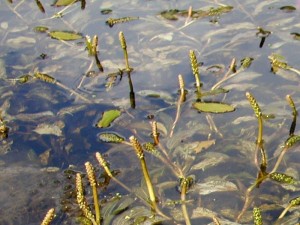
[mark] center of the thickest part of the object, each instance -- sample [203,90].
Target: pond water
[52,126]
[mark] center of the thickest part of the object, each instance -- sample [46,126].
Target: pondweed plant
[181,170]
[182,173]
[273,175]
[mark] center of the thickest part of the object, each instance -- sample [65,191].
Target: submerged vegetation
[190,155]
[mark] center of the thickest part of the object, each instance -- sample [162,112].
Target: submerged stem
[184,186]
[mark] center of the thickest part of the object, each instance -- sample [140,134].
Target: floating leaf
[65,35]
[108,117]
[212,107]
[287,8]
[111,138]
[59,3]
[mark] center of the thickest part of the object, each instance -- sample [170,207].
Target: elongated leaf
[111,138]
[65,35]
[108,117]
[59,3]
[212,107]
[215,185]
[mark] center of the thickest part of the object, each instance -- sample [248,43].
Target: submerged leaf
[108,117]
[65,35]
[212,107]
[212,186]
[214,92]
[45,128]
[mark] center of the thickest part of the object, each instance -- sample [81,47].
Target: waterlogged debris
[212,107]
[65,35]
[59,3]
[288,8]
[217,185]
[201,145]
[107,118]
[111,137]
[50,128]
[44,157]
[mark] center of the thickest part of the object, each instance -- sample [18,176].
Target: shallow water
[50,127]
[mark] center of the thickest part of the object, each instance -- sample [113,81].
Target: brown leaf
[201,145]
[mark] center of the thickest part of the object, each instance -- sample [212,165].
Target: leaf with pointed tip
[108,117]
[213,107]
[59,3]
[65,35]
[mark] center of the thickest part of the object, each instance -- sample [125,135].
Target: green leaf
[111,138]
[287,8]
[65,35]
[108,117]
[212,107]
[59,3]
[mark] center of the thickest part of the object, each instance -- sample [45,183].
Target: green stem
[96,204]
[183,200]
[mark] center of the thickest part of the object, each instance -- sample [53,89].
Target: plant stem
[183,200]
